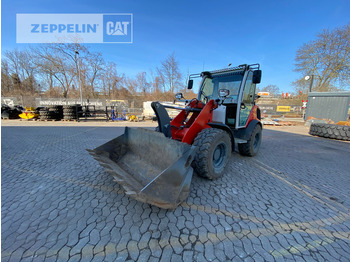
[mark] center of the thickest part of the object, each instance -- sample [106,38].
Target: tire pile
[51,113]
[10,113]
[330,131]
[70,112]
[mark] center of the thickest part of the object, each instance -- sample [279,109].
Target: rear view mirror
[256,77]
[178,96]
[224,92]
[190,84]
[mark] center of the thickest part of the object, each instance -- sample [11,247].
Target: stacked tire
[56,112]
[51,113]
[45,114]
[330,131]
[71,112]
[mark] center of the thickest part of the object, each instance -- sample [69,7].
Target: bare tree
[327,58]
[131,85]
[18,66]
[301,86]
[29,85]
[53,63]
[6,83]
[111,81]
[55,70]
[272,89]
[169,74]
[142,82]
[94,69]
[155,84]
[12,58]
[16,83]
[61,64]
[184,89]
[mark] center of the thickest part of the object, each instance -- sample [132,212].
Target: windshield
[211,86]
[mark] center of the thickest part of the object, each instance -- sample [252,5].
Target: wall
[328,105]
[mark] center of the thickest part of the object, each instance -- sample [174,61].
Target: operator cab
[233,88]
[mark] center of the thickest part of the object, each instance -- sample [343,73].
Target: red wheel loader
[156,167]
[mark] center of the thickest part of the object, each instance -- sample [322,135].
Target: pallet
[47,120]
[31,119]
[69,120]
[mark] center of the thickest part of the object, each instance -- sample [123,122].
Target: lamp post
[311,81]
[78,72]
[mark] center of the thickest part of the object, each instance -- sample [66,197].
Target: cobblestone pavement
[290,202]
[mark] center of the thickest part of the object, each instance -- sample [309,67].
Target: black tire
[330,131]
[5,115]
[251,148]
[213,152]
[312,129]
[70,114]
[47,113]
[44,113]
[69,117]
[69,110]
[72,106]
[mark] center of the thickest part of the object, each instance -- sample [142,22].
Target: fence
[269,109]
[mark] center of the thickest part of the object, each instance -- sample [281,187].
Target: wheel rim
[219,155]
[256,141]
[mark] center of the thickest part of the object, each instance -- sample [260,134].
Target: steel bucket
[151,167]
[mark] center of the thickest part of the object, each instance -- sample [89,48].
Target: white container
[219,114]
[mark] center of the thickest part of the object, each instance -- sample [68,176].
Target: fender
[225,128]
[245,133]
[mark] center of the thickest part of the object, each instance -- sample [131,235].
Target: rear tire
[213,152]
[251,148]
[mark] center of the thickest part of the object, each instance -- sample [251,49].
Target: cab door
[247,101]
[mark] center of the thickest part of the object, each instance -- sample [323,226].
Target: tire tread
[330,131]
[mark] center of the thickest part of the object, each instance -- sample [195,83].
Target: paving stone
[121,256]
[167,253]
[155,248]
[187,256]
[63,206]
[176,258]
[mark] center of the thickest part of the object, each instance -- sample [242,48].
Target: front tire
[213,152]
[251,148]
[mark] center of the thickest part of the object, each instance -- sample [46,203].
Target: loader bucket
[151,167]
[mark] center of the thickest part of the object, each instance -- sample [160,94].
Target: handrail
[190,109]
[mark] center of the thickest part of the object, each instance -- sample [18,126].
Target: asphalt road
[290,202]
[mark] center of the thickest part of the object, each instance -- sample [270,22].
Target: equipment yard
[289,202]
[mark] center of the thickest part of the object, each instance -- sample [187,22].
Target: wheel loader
[156,167]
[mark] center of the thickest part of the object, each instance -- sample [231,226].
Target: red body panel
[185,127]
[253,115]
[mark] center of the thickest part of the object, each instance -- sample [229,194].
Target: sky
[203,34]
